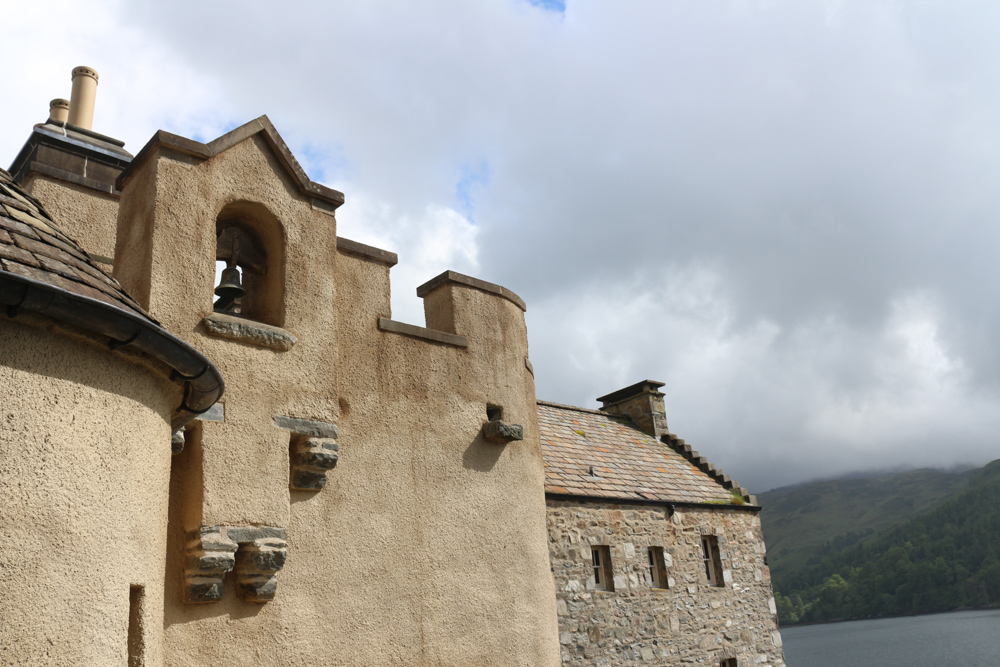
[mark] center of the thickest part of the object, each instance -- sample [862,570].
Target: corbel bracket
[256,553]
[500,432]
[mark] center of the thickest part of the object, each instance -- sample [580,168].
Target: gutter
[203,383]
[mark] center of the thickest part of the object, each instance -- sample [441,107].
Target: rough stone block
[311,458]
[306,427]
[501,432]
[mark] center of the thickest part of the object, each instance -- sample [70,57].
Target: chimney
[643,403]
[81,101]
[59,110]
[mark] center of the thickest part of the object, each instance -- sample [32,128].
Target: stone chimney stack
[643,403]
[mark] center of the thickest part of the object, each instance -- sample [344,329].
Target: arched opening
[249,250]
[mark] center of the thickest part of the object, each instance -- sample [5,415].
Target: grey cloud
[756,201]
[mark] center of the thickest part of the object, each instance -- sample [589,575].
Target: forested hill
[943,559]
[801,523]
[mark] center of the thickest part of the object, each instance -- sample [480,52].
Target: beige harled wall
[87,216]
[428,545]
[85,438]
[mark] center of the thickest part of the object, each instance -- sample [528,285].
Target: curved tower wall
[84,465]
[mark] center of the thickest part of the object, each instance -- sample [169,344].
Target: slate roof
[628,464]
[32,246]
[45,272]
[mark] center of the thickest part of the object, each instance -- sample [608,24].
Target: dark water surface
[960,639]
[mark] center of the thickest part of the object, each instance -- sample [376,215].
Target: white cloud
[436,240]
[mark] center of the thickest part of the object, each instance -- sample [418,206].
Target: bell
[230,286]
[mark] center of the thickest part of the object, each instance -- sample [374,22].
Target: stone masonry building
[265,468]
[658,557]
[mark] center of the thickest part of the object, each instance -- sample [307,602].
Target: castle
[266,469]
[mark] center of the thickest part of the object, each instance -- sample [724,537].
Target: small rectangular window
[712,560]
[657,568]
[604,579]
[728,662]
[136,644]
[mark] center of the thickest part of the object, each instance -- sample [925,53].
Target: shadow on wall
[481,454]
[184,514]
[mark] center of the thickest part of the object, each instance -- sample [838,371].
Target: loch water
[959,639]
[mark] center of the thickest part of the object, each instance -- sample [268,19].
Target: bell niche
[249,245]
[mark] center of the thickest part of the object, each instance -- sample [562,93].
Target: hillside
[945,558]
[803,523]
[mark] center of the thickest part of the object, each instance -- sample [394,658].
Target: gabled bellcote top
[323,196]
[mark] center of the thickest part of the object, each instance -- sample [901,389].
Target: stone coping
[703,464]
[231,327]
[433,335]
[261,125]
[469,281]
[650,386]
[367,251]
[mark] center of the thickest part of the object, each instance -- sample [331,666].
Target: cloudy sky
[785,210]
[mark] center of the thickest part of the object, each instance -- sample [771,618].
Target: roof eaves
[203,381]
[751,507]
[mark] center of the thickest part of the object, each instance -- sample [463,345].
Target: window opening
[603,573]
[494,412]
[728,662]
[136,645]
[657,567]
[712,560]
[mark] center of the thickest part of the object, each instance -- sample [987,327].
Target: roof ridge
[563,406]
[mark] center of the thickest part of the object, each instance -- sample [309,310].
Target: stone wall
[689,622]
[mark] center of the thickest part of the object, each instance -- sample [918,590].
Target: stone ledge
[502,432]
[469,281]
[367,251]
[307,427]
[235,328]
[433,335]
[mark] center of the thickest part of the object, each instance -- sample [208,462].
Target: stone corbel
[500,432]
[311,458]
[211,554]
[256,553]
[257,565]
[312,453]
